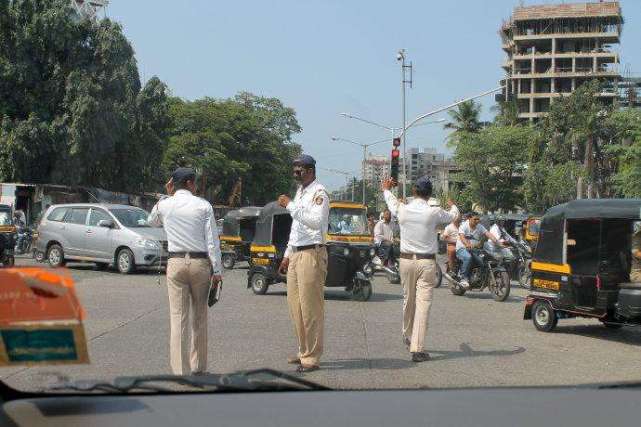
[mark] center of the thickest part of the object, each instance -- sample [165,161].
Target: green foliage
[464,119]
[71,105]
[247,138]
[493,162]
[626,130]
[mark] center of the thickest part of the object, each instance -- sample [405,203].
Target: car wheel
[259,283]
[543,316]
[502,289]
[228,261]
[125,261]
[56,256]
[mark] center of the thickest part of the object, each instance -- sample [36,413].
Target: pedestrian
[450,236]
[305,263]
[635,270]
[418,222]
[384,237]
[193,265]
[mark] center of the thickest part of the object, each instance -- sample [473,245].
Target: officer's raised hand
[388,184]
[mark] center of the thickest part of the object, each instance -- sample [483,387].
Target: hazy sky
[330,56]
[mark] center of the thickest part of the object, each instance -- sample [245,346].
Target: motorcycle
[392,269]
[24,241]
[520,268]
[487,271]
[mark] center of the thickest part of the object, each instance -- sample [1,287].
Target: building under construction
[554,49]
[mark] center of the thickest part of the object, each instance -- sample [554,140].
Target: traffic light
[396,156]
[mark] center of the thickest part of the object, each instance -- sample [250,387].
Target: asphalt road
[473,340]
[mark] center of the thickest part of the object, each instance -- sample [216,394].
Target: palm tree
[465,118]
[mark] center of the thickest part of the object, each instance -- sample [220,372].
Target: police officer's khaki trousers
[418,277]
[188,287]
[305,296]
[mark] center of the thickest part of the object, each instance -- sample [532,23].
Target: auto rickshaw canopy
[551,244]
[272,226]
[241,222]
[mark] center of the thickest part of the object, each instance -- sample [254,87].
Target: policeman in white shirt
[384,236]
[418,222]
[194,261]
[305,263]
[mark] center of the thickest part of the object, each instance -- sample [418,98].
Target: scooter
[391,269]
[24,241]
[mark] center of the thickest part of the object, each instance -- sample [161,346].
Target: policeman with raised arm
[305,263]
[418,221]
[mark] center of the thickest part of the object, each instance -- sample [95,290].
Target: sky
[326,57]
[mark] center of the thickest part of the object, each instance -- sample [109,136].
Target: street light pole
[401,57]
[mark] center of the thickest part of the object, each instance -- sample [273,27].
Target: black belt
[306,247]
[191,255]
[406,255]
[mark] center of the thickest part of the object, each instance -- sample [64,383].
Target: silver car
[102,233]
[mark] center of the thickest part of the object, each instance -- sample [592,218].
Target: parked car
[106,234]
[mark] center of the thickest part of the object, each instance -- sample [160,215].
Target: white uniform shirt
[418,221]
[473,236]
[310,214]
[382,232]
[450,234]
[190,225]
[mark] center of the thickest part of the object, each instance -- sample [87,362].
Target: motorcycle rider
[469,237]
[384,237]
[450,235]
[505,239]
[20,229]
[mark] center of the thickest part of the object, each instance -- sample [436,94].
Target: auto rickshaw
[8,235]
[345,259]
[531,231]
[581,265]
[238,231]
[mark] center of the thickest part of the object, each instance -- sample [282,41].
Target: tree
[70,100]
[244,140]
[493,162]
[464,119]
[626,131]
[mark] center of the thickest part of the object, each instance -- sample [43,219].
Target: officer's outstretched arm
[391,201]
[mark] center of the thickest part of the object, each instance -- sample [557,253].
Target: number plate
[546,284]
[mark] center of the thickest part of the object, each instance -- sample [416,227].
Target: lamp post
[364,147]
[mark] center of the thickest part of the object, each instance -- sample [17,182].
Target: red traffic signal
[396,142]
[395,154]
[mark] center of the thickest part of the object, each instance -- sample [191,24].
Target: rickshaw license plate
[546,284]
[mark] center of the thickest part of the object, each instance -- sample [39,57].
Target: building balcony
[566,72]
[537,95]
[610,36]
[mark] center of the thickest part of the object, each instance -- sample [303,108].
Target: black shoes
[302,369]
[420,357]
[407,342]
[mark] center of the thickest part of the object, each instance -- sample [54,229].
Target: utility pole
[404,81]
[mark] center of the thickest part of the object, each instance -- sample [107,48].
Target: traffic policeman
[418,221]
[305,263]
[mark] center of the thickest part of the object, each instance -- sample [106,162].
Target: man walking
[384,237]
[194,255]
[418,221]
[305,263]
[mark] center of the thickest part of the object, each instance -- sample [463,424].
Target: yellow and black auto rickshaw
[346,259]
[8,234]
[239,227]
[581,265]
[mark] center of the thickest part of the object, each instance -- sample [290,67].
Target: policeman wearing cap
[418,222]
[305,263]
[194,261]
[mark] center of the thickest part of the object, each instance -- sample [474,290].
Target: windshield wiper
[256,380]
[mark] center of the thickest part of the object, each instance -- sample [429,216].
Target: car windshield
[5,218]
[347,221]
[290,110]
[131,217]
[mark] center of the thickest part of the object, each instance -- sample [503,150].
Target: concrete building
[553,49]
[430,162]
[377,168]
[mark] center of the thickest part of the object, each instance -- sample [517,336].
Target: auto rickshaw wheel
[543,316]
[228,261]
[362,291]
[611,325]
[259,283]
[502,289]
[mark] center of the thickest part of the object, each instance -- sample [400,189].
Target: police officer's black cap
[305,160]
[183,175]
[423,184]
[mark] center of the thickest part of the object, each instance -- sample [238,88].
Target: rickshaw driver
[635,271]
[305,263]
